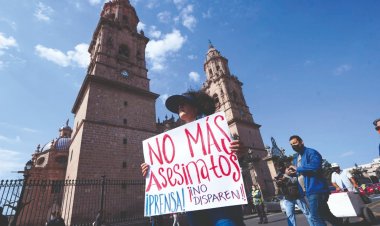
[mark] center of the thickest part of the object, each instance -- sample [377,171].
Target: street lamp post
[20,204]
[102,197]
[100,216]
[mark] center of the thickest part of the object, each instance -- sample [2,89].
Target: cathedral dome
[62,143]
[59,144]
[47,146]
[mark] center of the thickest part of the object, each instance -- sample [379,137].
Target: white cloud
[10,161]
[176,19]
[29,130]
[188,20]
[140,26]
[97,2]
[158,50]
[43,12]
[152,4]
[134,2]
[8,153]
[194,76]
[164,17]
[12,59]
[207,14]
[11,23]
[16,127]
[192,57]
[80,55]
[53,55]
[154,33]
[185,15]
[346,154]
[94,2]
[77,5]
[10,140]
[308,62]
[342,69]
[179,3]
[7,42]
[77,57]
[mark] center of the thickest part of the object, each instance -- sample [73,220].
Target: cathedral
[115,111]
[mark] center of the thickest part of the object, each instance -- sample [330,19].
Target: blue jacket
[311,169]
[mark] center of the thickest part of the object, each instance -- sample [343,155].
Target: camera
[279,176]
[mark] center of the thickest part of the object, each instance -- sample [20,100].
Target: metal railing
[32,202]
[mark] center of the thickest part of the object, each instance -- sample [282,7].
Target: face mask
[297,148]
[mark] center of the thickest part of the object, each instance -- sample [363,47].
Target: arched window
[123,50]
[41,161]
[216,100]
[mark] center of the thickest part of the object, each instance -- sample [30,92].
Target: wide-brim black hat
[173,102]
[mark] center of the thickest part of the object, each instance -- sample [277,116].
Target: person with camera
[287,182]
[307,163]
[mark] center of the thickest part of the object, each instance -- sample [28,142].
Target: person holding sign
[191,106]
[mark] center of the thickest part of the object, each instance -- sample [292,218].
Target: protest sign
[192,168]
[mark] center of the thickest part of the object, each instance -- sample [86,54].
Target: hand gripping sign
[192,168]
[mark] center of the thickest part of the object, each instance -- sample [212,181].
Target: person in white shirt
[342,180]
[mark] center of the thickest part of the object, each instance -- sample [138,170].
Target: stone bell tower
[226,89]
[114,110]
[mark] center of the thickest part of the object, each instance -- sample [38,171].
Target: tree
[358,173]
[326,170]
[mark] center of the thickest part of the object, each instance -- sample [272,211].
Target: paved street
[277,219]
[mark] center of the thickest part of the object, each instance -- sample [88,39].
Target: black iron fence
[33,202]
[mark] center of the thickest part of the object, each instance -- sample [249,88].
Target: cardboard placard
[192,168]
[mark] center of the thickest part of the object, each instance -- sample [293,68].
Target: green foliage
[326,170]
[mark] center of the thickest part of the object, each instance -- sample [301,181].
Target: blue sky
[310,68]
